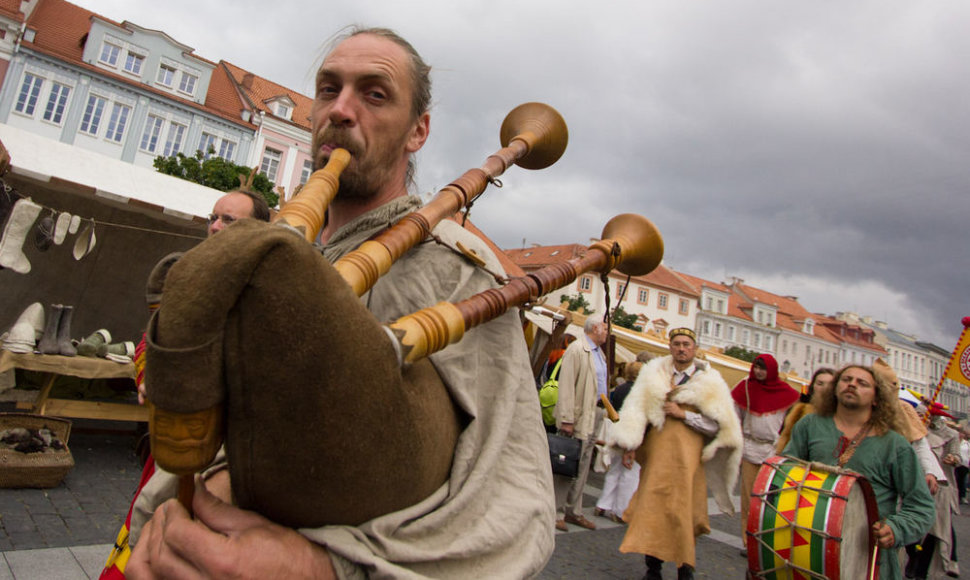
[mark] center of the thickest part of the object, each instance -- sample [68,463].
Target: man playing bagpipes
[487,510]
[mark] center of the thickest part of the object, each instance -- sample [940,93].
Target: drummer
[853,428]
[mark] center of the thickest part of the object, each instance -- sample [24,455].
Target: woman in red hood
[761,401]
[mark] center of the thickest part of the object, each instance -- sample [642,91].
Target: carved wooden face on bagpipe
[328,416]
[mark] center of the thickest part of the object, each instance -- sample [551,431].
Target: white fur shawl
[705,390]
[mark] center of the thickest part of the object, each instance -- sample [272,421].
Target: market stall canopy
[128,218]
[75,170]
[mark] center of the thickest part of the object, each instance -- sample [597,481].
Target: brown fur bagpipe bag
[256,325]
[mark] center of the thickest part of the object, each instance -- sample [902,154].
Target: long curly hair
[885,407]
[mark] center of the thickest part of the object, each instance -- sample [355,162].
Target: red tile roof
[11,9]
[539,256]
[791,315]
[666,278]
[852,334]
[701,283]
[259,92]
[61,28]
[223,97]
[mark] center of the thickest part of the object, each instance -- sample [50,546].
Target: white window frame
[662,300]
[57,102]
[118,122]
[585,284]
[187,83]
[166,69]
[134,62]
[205,141]
[153,130]
[307,171]
[270,163]
[684,306]
[112,55]
[174,138]
[29,94]
[226,149]
[93,114]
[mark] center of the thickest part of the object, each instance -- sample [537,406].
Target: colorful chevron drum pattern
[810,521]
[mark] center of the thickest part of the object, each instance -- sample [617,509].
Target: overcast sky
[814,149]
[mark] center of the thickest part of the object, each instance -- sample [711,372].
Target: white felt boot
[22,218]
[61,226]
[24,334]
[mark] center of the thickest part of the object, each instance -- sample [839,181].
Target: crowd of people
[683,433]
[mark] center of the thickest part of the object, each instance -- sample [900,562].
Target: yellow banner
[959,367]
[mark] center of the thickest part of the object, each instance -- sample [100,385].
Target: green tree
[214,172]
[576,302]
[741,353]
[622,318]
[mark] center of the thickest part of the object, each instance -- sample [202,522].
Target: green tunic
[889,463]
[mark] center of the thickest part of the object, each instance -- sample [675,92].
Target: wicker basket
[46,469]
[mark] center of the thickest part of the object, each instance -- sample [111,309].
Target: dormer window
[117,53]
[109,54]
[187,84]
[133,63]
[283,110]
[166,75]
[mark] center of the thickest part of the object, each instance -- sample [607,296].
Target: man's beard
[852,404]
[367,172]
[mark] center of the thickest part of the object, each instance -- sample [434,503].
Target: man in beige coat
[582,377]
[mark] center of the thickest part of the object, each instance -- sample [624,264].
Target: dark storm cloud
[819,149]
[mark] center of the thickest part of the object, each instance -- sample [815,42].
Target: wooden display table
[83,367]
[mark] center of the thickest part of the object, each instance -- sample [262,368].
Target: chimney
[247,80]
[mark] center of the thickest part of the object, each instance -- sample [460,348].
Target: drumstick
[875,554]
[872,564]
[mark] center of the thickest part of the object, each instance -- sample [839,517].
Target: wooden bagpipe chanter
[328,415]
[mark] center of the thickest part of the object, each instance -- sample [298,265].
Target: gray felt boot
[48,342]
[64,345]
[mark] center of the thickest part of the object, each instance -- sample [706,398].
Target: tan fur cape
[707,391]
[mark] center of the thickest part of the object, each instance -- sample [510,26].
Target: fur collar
[705,390]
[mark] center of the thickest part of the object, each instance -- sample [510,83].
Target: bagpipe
[328,415]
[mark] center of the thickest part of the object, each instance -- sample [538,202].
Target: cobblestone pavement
[87,508]
[84,514]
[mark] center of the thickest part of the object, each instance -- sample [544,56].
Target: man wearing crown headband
[679,423]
